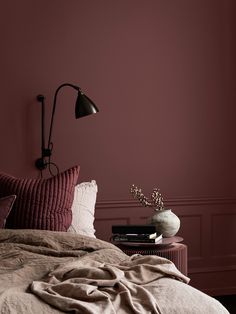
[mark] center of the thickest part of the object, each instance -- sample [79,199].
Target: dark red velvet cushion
[6,204]
[40,203]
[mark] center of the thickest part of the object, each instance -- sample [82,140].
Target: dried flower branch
[156,198]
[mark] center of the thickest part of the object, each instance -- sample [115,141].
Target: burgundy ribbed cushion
[40,203]
[6,204]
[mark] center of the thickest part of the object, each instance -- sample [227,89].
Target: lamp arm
[54,108]
[40,162]
[41,99]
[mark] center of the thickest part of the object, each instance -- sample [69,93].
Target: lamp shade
[84,106]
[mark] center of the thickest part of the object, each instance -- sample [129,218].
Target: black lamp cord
[50,163]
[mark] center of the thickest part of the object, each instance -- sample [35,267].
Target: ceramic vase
[166,222]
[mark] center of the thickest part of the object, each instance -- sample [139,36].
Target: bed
[67,269]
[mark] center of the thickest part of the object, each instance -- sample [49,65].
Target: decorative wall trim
[107,204]
[211,269]
[220,291]
[229,290]
[214,281]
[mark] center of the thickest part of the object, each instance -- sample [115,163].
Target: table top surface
[163,243]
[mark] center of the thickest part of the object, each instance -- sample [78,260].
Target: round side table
[176,252]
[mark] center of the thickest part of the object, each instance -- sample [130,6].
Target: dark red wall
[161,72]
[163,75]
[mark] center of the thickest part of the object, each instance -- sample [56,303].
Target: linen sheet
[57,272]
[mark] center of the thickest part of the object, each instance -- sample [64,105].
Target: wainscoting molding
[208,226]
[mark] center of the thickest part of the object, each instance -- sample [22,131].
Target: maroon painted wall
[161,74]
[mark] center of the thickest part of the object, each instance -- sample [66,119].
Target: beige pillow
[83,209]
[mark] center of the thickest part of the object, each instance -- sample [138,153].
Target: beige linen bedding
[57,272]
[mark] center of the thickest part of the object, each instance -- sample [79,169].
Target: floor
[229,301]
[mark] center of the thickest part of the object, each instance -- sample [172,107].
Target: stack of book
[141,234]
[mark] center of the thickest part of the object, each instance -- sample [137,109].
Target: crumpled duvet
[56,272]
[97,287]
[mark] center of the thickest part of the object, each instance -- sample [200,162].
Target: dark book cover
[133,229]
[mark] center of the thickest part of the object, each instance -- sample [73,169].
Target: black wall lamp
[83,107]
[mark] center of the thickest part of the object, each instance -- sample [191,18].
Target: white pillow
[83,208]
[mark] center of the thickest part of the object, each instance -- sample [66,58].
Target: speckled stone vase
[166,222]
